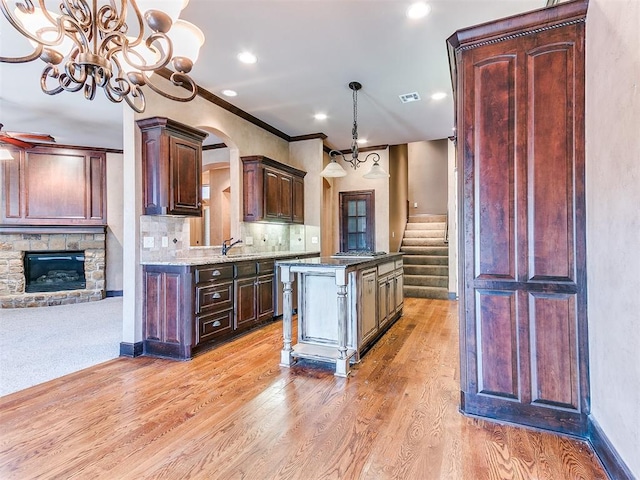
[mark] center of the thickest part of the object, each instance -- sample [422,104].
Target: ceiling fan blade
[38,137]
[15,141]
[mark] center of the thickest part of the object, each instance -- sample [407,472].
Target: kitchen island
[344,305]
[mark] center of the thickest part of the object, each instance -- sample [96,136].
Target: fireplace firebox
[54,271]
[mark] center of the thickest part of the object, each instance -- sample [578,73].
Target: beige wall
[428,177]
[398,194]
[114,222]
[354,181]
[613,221]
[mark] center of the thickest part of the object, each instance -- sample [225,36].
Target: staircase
[426,257]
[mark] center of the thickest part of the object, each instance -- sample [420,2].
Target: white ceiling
[308,51]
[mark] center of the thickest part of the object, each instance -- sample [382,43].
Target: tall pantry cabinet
[519,89]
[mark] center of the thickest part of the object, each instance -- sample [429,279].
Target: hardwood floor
[233,413]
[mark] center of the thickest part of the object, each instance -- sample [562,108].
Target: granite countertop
[340,262]
[231,258]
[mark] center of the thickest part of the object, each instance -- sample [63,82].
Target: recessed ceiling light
[362,141]
[229,93]
[438,96]
[418,10]
[247,57]
[320,116]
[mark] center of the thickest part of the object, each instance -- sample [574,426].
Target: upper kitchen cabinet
[273,191]
[519,85]
[171,167]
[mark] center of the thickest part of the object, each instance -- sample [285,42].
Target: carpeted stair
[426,257]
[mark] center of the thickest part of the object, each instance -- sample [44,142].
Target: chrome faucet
[227,244]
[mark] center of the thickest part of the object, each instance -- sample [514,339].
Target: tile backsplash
[167,238]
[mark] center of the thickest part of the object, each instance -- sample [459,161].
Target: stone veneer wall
[12,281]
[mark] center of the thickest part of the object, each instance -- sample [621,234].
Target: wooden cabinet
[214,303]
[519,88]
[171,167]
[390,293]
[190,308]
[168,311]
[53,186]
[272,191]
[265,295]
[298,200]
[368,307]
[254,293]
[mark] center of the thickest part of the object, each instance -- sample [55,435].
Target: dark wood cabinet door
[246,309]
[167,311]
[265,288]
[298,200]
[185,181]
[286,198]
[271,195]
[520,116]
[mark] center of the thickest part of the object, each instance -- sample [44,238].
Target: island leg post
[286,358]
[342,362]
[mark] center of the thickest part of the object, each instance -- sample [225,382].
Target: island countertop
[339,261]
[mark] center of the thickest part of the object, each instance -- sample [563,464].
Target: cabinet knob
[215,273]
[216,323]
[199,204]
[216,295]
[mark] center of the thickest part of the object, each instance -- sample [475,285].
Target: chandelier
[334,169]
[113,45]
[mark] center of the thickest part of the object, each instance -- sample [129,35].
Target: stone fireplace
[88,243]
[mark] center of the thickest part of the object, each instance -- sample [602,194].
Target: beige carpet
[40,344]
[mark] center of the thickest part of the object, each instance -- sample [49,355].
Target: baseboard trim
[114,293]
[131,349]
[606,452]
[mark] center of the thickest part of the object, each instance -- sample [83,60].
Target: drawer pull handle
[216,295]
[216,323]
[215,273]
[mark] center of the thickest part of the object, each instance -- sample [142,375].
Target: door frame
[369,196]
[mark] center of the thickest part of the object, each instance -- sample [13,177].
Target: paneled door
[357,221]
[520,114]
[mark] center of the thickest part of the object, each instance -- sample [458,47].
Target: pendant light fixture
[334,169]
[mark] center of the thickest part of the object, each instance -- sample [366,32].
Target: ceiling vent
[409,97]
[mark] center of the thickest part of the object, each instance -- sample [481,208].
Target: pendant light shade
[376,171]
[333,169]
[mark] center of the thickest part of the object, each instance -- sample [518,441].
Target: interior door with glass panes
[357,215]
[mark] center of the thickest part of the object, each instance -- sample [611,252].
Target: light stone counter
[230,258]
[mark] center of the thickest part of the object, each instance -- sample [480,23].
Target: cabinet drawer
[213,326]
[385,268]
[214,274]
[265,267]
[247,269]
[215,297]
[398,264]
